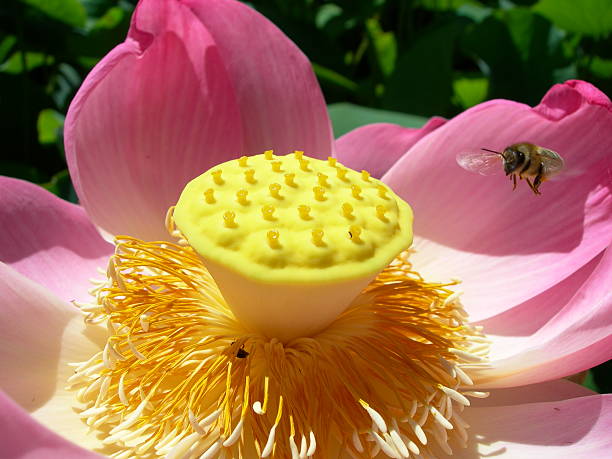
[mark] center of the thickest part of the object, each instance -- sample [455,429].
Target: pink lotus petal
[511,246]
[281,104]
[575,428]
[49,240]
[578,337]
[151,115]
[39,335]
[22,437]
[36,330]
[195,84]
[376,147]
[549,391]
[522,321]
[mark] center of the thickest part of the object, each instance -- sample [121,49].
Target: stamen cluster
[179,376]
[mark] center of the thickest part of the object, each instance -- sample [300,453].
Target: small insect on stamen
[242,353]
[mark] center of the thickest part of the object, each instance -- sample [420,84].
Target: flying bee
[523,160]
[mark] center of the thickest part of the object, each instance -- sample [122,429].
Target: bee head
[513,159]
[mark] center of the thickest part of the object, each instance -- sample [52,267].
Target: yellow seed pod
[291,237]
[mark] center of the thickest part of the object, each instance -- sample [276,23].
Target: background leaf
[346,117]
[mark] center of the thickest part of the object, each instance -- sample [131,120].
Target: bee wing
[554,165]
[482,163]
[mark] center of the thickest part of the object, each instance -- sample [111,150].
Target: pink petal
[195,84]
[578,337]
[49,240]
[39,335]
[22,437]
[575,428]
[281,104]
[549,391]
[511,246]
[153,114]
[376,147]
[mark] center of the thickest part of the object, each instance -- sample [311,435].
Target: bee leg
[514,182]
[533,188]
[538,179]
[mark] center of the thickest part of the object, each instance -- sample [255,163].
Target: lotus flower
[198,83]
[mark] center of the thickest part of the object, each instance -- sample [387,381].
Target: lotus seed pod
[291,251]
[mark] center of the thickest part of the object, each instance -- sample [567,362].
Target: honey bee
[523,160]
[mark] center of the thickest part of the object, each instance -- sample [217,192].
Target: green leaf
[422,80]
[345,117]
[326,75]
[470,91]
[327,13]
[50,124]
[383,45]
[437,5]
[590,17]
[522,52]
[15,64]
[6,46]
[601,68]
[70,12]
[111,19]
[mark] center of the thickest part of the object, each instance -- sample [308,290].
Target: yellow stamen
[190,351]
